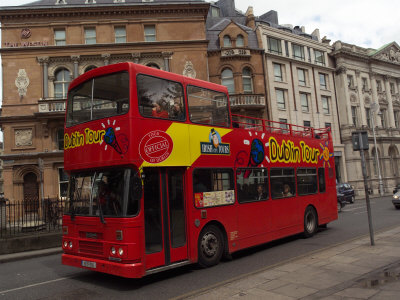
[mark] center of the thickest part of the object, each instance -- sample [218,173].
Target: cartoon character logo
[215,145]
[214,138]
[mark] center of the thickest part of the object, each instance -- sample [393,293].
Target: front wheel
[310,222]
[352,199]
[210,246]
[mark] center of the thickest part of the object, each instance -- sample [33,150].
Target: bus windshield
[98,98]
[106,192]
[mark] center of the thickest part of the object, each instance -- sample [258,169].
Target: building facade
[300,80]
[47,43]
[368,85]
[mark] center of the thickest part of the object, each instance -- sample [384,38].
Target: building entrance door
[31,193]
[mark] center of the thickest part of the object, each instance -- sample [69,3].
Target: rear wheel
[397,206]
[352,199]
[210,246]
[310,222]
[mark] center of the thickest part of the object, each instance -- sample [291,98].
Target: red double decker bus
[162,174]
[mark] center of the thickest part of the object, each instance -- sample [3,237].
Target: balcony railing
[51,105]
[247,100]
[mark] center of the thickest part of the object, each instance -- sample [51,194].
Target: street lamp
[375,108]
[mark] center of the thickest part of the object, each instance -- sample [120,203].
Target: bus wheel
[310,222]
[210,246]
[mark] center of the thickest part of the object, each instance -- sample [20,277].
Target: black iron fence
[24,217]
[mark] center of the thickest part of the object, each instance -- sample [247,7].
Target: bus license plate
[89,264]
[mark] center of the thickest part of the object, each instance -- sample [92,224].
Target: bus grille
[91,247]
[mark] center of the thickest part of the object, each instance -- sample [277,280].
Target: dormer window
[227,41]
[214,12]
[90,2]
[240,41]
[119,1]
[61,2]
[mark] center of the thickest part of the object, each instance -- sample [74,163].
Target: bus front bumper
[135,270]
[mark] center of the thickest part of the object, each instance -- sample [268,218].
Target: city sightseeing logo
[156,146]
[108,135]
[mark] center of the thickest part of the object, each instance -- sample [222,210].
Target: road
[46,278]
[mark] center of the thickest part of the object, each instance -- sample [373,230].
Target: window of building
[283,183]
[350,81]
[307,123]
[392,91]
[90,35]
[120,34]
[61,82]
[227,41]
[309,54]
[354,115]
[396,118]
[207,185]
[287,48]
[59,37]
[301,73]
[149,33]
[298,51]
[383,117]
[278,72]
[284,125]
[240,41]
[252,184]
[280,99]
[368,115]
[60,138]
[322,81]
[153,65]
[304,102]
[319,57]
[63,179]
[274,46]
[215,12]
[227,80]
[247,80]
[328,125]
[321,179]
[364,84]
[379,86]
[325,105]
[91,67]
[150,105]
[208,107]
[307,181]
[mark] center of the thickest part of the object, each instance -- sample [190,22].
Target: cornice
[103,10]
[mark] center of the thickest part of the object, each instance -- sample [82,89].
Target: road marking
[33,285]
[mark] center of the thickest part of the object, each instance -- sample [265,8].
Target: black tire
[397,206]
[310,222]
[352,199]
[210,246]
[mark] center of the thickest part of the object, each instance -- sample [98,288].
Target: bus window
[213,187]
[160,98]
[306,181]
[321,178]
[208,107]
[282,183]
[252,184]
[101,97]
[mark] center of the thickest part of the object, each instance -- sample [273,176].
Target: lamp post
[375,108]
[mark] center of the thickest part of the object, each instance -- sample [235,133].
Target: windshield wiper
[101,215]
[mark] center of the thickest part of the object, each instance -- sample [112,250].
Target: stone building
[235,58]
[368,85]
[47,43]
[300,80]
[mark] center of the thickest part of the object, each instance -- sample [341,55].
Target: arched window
[153,65]
[227,80]
[247,80]
[239,41]
[90,68]
[393,153]
[61,82]
[227,41]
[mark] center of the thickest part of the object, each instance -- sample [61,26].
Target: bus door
[164,216]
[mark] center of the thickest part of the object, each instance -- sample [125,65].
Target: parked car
[347,190]
[396,200]
[396,189]
[341,201]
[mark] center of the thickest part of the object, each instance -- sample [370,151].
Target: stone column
[136,57]
[341,72]
[75,59]
[360,97]
[44,61]
[106,58]
[390,103]
[166,56]
[377,118]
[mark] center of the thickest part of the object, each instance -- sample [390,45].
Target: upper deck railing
[258,124]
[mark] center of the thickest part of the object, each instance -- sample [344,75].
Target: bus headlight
[65,244]
[113,251]
[120,251]
[70,245]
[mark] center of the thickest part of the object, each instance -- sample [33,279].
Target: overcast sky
[366,23]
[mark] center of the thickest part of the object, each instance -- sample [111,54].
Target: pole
[376,157]
[364,172]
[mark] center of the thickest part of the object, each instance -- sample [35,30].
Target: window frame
[231,87]
[64,82]
[278,49]
[150,37]
[314,181]
[321,55]
[302,81]
[301,55]
[240,38]
[278,77]
[60,41]
[244,169]
[248,77]
[325,104]
[280,104]
[323,85]
[227,41]
[89,39]
[119,36]
[292,182]
[305,106]
[354,115]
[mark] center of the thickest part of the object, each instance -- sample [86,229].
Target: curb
[28,254]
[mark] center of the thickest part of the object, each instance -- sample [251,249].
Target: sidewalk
[352,270]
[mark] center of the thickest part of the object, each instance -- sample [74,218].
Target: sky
[365,23]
